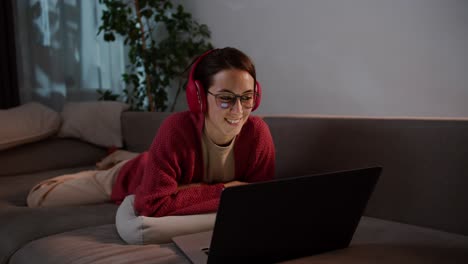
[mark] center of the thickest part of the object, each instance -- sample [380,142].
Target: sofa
[418,212]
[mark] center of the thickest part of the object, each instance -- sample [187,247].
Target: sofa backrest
[139,129]
[425,160]
[425,168]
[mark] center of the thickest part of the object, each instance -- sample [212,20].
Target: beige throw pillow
[27,123]
[93,122]
[143,230]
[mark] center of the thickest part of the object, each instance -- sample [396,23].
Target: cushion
[97,245]
[27,123]
[49,154]
[20,225]
[142,230]
[375,241]
[93,122]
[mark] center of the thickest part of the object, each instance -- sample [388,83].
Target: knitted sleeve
[172,161]
[261,154]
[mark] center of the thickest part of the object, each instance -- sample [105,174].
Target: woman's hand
[226,185]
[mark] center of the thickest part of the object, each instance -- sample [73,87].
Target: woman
[195,154]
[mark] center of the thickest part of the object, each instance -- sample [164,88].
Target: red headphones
[196,97]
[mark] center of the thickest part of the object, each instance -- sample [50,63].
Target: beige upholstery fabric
[388,242]
[97,245]
[21,225]
[94,122]
[27,123]
[375,241]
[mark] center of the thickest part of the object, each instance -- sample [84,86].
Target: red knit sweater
[175,158]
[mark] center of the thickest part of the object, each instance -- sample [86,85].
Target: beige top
[219,161]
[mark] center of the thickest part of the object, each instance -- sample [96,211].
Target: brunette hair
[219,60]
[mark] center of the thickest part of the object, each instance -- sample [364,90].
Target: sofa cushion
[27,123]
[379,231]
[49,154]
[388,254]
[382,241]
[99,245]
[94,122]
[20,225]
[375,241]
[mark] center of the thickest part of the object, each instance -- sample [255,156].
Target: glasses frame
[234,101]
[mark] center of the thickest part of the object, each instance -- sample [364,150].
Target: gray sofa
[417,214]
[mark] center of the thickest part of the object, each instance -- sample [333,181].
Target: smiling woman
[226,115]
[226,75]
[195,154]
[215,145]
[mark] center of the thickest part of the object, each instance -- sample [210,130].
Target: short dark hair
[219,60]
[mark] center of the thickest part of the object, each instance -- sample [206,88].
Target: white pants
[85,187]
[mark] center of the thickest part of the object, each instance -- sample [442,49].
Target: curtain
[62,58]
[9,94]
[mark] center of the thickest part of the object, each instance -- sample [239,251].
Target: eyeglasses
[227,100]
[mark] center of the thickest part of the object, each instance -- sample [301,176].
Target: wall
[342,57]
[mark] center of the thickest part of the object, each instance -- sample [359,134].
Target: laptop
[284,219]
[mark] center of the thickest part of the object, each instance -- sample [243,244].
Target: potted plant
[162,39]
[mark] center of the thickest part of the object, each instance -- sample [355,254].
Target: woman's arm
[174,159]
[261,149]
[159,194]
[136,229]
[226,184]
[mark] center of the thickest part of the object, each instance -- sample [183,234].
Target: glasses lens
[247,100]
[227,100]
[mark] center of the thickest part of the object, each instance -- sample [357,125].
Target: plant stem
[143,45]
[176,96]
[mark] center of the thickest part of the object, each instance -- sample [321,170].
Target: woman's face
[222,121]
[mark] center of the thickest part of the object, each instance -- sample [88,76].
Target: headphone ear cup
[201,100]
[258,95]
[192,96]
[196,98]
